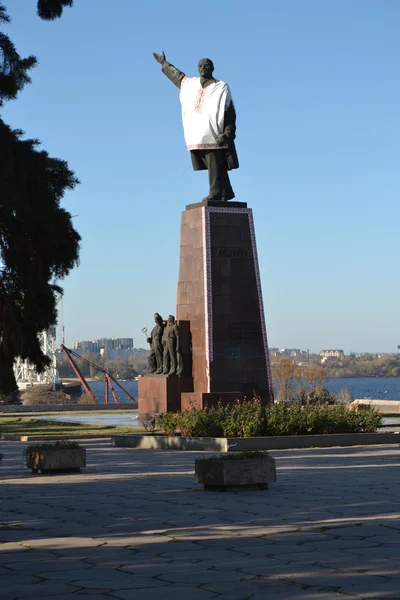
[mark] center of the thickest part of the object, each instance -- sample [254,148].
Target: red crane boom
[77,372]
[109,380]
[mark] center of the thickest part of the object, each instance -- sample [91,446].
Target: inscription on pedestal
[232,252]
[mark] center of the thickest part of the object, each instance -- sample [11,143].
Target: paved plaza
[135,525]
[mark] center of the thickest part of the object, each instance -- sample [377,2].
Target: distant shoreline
[363,376]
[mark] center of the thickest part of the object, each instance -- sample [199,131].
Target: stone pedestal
[219,294]
[158,394]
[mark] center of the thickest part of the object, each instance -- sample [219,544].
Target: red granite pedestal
[219,294]
[158,394]
[220,313]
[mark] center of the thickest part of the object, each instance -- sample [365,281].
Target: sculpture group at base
[165,357]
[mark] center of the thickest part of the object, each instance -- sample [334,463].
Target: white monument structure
[26,374]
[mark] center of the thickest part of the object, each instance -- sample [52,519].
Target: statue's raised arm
[169,70]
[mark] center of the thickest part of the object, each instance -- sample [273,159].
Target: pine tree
[38,243]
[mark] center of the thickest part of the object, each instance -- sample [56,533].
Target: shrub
[168,422]
[252,419]
[319,396]
[197,422]
[61,445]
[86,399]
[43,394]
[150,424]
[248,455]
[12,398]
[244,419]
[344,396]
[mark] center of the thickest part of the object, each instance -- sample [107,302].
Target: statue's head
[206,68]
[171,319]
[158,318]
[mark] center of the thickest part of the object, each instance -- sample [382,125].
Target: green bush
[168,423]
[244,419]
[252,419]
[59,445]
[321,396]
[197,422]
[86,399]
[248,455]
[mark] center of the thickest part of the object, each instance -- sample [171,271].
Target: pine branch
[13,69]
[4,18]
[49,10]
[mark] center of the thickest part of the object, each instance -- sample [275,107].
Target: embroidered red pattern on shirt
[198,107]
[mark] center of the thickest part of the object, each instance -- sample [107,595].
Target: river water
[377,388]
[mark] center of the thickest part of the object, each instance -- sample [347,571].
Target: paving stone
[119,581]
[36,567]
[197,576]
[265,590]
[39,590]
[200,555]
[171,592]
[340,543]
[106,529]
[93,596]
[366,587]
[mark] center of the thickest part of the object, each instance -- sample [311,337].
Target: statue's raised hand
[160,58]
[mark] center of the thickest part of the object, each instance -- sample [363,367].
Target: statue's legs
[152,361]
[220,185]
[171,345]
[159,360]
[165,360]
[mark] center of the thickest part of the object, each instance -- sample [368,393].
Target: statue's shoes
[212,198]
[226,198]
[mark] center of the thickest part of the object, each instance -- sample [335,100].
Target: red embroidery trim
[207,147]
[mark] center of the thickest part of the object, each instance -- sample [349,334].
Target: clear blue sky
[317,92]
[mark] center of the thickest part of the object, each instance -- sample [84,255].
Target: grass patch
[27,426]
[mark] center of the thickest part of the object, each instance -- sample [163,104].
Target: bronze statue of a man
[155,358]
[209,123]
[172,358]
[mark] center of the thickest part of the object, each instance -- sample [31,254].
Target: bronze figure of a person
[155,358]
[209,123]
[172,359]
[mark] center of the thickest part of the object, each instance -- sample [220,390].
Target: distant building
[331,354]
[292,352]
[99,344]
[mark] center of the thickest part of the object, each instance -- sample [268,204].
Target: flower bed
[252,419]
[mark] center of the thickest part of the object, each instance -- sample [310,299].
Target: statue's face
[206,68]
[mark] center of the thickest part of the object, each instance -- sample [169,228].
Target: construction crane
[108,379]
